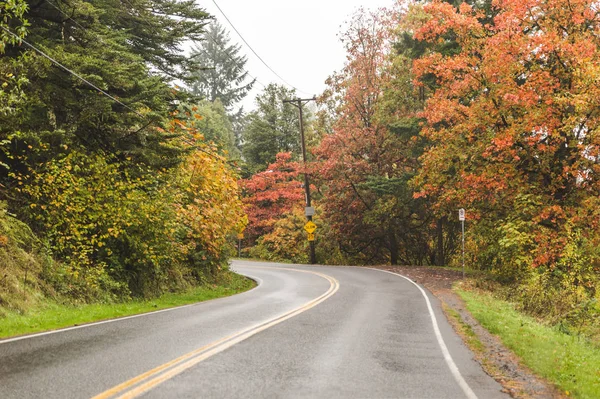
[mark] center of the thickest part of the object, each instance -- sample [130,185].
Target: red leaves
[272,194]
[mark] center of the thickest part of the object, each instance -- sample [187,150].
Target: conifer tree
[220,73]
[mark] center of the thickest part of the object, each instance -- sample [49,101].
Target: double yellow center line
[150,379]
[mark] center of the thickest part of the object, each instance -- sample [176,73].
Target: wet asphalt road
[342,333]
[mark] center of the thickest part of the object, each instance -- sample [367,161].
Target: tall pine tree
[220,73]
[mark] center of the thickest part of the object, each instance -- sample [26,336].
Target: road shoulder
[497,361]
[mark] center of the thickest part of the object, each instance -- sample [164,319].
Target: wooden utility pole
[298,102]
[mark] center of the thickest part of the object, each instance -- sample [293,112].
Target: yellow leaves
[214,209]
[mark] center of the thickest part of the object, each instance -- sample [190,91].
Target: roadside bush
[107,227]
[287,242]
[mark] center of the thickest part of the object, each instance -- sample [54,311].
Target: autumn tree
[513,125]
[363,165]
[271,195]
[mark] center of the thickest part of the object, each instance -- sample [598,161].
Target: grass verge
[570,362]
[52,316]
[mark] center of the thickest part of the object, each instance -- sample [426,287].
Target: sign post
[461,217]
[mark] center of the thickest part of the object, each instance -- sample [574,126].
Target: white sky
[298,39]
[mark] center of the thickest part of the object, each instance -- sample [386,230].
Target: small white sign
[309,211]
[461,214]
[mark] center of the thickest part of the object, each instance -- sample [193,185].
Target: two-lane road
[308,332]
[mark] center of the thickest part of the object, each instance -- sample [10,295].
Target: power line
[255,53]
[70,71]
[127,1]
[216,156]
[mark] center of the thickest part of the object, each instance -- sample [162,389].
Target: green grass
[570,362]
[51,316]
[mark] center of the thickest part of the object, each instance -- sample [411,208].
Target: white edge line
[97,323]
[447,357]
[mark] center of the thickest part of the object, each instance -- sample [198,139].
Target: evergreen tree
[220,73]
[272,128]
[130,49]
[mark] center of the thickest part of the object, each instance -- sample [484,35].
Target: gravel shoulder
[498,361]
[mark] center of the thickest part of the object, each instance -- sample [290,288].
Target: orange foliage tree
[514,123]
[270,195]
[362,166]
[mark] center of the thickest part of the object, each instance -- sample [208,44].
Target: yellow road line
[144,382]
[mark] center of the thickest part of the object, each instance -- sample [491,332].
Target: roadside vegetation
[115,184]
[565,358]
[49,315]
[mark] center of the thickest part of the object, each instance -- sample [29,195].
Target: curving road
[304,332]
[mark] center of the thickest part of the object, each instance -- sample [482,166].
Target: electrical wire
[55,62]
[216,156]
[255,53]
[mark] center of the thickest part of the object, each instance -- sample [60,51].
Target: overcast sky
[297,39]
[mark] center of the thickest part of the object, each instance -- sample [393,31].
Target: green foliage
[13,28]
[220,73]
[50,316]
[272,128]
[13,25]
[24,262]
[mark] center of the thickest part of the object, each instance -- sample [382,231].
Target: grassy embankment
[571,362]
[50,315]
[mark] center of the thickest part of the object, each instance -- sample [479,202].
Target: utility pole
[298,102]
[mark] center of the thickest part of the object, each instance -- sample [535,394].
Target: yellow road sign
[310,227]
[311,236]
[240,236]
